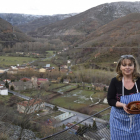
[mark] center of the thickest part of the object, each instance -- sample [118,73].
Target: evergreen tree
[61,81]
[79,131]
[63,126]
[12,87]
[6,84]
[82,130]
[104,88]
[89,126]
[94,126]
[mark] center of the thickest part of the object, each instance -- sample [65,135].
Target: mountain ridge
[8,33]
[27,22]
[89,20]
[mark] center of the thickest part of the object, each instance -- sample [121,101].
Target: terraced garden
[71,97]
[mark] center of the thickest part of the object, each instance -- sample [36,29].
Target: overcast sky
[50,7]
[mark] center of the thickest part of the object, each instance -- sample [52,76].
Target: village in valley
[52,103]
[55,70]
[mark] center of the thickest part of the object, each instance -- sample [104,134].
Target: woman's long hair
[135,73]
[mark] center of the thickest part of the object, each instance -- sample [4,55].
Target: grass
[5,98]
[8,60]
[67,103]
[51,64]
[56,85]
[88,93]
[50,52]
[47,61]
[33,93]
[49,55]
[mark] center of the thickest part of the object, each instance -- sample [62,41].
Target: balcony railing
[84,132]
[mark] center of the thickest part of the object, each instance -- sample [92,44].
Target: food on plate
[135,106]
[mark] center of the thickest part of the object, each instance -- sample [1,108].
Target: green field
[5,98]
[9,61]
[49,52]
[78,98]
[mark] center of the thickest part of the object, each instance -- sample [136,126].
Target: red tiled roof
[6,80]
[70,124]
[27,79]
[31,102]
[1,84]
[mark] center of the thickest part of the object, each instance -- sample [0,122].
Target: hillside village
[55,71]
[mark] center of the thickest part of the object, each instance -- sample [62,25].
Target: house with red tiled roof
[41,80]
[20,85]
[30,106]
[2,84]
[25,79]
[8,80]
[64,70]
[73,129]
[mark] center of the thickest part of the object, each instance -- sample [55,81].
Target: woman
[124,88]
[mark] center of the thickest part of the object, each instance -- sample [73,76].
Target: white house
[1,85]
[64,116]
[68,61]
[66,81]
[48,65]
[14,67]
[3,91]
[3,70]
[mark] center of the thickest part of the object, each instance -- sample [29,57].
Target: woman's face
[127,67]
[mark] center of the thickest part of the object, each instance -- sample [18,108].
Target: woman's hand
[125,108]
[119,104]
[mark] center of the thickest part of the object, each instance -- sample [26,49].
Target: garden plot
[56,85]
[78,98]
[64,89]
[85,97]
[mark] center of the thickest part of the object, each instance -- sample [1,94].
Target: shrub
[12,87]
[55,108]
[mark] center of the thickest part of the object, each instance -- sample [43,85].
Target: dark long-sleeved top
[115,91]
